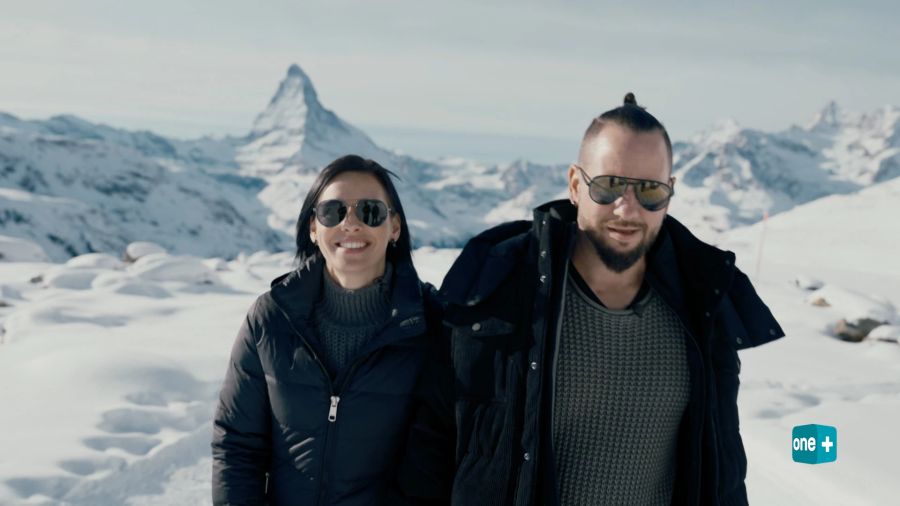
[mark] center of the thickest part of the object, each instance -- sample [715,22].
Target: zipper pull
[332,411]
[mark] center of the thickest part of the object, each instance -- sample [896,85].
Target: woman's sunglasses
[652,195]
[371,212]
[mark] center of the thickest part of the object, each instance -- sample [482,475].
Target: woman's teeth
[352,245]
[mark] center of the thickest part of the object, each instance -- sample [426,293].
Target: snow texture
[110,368]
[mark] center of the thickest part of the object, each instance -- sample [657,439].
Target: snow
[140,249]
[163,267]
[807,282]
[854,306]
[14,249]
[66,277]
[885,332]
[72,186]
[109,388]
[110,369]
[96,260]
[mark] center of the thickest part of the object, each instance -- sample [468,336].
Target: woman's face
[354,252]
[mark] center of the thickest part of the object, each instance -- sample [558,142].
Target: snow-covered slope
[731,176]
[74,187]
[110,370]
[446,201]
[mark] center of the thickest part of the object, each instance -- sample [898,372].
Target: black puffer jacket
[285,433]
[481,435]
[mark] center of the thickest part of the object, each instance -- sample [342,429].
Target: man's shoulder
[485,261]
[683,238]
[502,239]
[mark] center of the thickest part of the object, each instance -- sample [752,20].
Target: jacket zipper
[332,411]
[333,397]
[702,376]
[334,400]
[558,332]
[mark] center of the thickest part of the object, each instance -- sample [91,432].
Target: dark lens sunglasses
[371,212]
[652,195]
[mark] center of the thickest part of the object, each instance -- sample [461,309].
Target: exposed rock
[807,283]
[855,331]
[820,302]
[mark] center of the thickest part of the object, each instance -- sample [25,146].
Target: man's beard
[619,261]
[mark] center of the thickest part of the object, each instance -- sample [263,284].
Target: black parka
[482,431]
[285,433]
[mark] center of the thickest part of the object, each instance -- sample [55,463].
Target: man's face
[623,231]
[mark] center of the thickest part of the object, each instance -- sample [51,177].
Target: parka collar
[675,247]
[296,294]
[677,264]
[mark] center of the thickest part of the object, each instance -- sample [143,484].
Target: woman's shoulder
[277,300]
[433,303]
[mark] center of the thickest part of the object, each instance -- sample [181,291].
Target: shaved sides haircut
[629,115]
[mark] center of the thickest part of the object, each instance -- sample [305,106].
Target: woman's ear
[312,229]
[395,227]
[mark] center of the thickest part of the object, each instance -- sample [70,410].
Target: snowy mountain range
[73,187]
[731,176]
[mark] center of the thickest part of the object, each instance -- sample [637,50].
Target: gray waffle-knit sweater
[622,385]
[345,319]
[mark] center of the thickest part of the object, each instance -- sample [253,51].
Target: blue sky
[483,79]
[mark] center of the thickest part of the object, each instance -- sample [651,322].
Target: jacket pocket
[483,471]
[479,358]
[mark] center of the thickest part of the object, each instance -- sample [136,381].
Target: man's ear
[574,181]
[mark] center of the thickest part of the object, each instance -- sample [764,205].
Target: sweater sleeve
[241,440]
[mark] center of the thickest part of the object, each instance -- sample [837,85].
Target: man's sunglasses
[652,195]
[371,212]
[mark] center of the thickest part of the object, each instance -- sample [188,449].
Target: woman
[317,397]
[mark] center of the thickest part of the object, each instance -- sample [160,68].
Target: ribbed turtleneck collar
[363,306]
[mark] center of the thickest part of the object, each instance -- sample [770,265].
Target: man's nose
[627,205]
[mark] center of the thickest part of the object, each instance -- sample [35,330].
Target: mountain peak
[295,71]
[723,131]
[296,130]
[294,84]
[290,105]
[827,118]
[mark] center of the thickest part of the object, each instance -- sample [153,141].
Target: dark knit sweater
[621,386]
[345,319]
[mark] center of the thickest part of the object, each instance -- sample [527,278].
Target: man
[591,355]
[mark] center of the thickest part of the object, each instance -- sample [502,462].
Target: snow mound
[855,306]
[807,282]
[139,249]
[161,267]
[70,278]
[266,259]
[7,292]
[118,282]
[14,249]
[886,332]
[216,264]
[96,260]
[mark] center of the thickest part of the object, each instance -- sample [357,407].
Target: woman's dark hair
[307,250]
[629,115]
